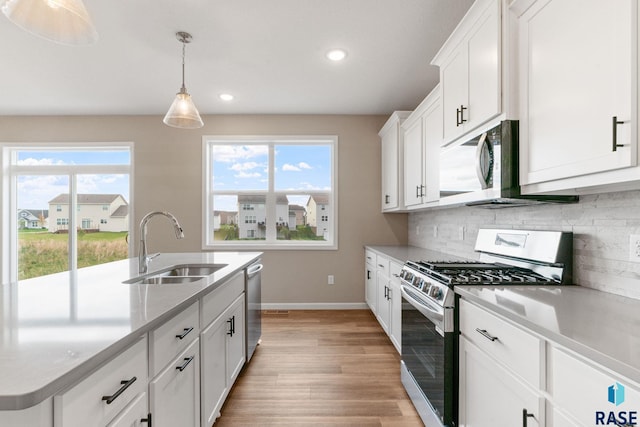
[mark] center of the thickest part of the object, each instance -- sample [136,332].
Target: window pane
[74,157]
[102,233]
[43,239]
[303,167]
[308,218]
[225,218]
[240,167]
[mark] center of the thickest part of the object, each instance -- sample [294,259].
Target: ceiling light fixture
[337,54]
[183,113]
[61,21]
[226,97]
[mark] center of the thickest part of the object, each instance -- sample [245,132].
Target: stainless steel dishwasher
[253,300]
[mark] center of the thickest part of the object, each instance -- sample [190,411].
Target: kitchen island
[60,328]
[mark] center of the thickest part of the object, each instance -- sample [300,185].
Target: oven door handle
[430,312]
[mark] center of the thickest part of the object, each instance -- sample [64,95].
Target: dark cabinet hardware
[147,420]
[460,115]
[232,326]
[615,144]
[485,334]
[386,292]
[125,385]
[422,190]
[417,191]
[525,417]
[187,360]
[185,333]
[368,274]
[386,199]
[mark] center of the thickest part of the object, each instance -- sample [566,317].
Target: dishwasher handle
[254,269]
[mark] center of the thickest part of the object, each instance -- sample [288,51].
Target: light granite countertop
[56,329]
[600,326]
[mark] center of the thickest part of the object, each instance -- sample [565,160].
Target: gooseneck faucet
[143,258]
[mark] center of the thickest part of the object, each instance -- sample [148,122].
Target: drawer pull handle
[616,122]
[187,360]
[114,396]
[147,420]
[525,417]
[485,334]
[184,334]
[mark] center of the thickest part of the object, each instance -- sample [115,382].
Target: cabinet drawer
[83,405]
[173,337]
[214,303]
[133,414]
[382,265]
[512,346]
[580,388]
[394,270]
[370,258]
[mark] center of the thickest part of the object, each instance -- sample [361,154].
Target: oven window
[430,360]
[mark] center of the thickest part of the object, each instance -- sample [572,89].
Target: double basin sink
[184,273]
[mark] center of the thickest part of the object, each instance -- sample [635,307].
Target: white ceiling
[270,54]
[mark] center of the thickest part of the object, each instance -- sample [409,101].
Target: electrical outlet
[435,231]
[634,247]
[330,279]
[461,233]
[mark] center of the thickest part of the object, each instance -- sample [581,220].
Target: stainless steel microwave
[483,171]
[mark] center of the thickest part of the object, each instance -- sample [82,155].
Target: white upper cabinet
[470,70]
[577,70]
[392,147]
[422,136]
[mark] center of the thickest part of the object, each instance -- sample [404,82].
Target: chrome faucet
[143,258]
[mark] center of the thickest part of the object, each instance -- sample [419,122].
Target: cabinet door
[383,301]
[213,350]
[413,184]
[454,80]
[174,395]
[484,69]
[432,143]
[134,415]
[235,341]
[370,283]
[395,296]
[490,396]
[572,85]
[390,170]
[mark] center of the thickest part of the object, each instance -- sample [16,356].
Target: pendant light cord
[184,89]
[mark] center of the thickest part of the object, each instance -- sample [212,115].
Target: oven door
[428,361]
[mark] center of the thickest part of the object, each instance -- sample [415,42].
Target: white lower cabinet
[395,329]
[491,396]
[100,397]
[370,280]
[384,306]
[174,394]
[134,415]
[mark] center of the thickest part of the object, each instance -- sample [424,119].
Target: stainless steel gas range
[429,316]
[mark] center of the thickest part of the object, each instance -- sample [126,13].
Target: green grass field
[41,253]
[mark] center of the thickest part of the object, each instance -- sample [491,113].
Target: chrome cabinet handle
[485,334]
[525,417]
[125,385]
[184,334]
[615,144]
[187,360]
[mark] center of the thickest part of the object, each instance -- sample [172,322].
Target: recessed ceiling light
[226,96]
[337,54]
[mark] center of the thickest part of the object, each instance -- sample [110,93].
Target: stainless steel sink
[184,273]
[158,280]
[195,269]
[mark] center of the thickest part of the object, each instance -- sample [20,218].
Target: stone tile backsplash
[601,225]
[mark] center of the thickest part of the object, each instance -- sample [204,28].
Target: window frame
[8,196]
[271,242]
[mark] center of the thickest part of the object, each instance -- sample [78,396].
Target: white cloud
[303,165]
[296,168]
[243,174]
[244,166]
[39,162]
[235,153]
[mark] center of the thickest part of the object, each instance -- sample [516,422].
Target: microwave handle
[483,175]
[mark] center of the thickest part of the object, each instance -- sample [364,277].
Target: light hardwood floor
[320,368]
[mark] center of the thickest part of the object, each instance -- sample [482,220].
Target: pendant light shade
[61,21]
[183,113]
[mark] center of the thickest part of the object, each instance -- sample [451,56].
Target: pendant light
[183,113]
[61,21]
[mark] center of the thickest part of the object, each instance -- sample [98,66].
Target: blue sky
[35,191]
[298,168]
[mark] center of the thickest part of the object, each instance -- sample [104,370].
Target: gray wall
[601,225]
[168,176]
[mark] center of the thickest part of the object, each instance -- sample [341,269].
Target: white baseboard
[316,306]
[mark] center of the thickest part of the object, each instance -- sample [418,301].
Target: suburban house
[224,218]
[318,213]
[98,212]
[32,218]
[252,215]
[297,216]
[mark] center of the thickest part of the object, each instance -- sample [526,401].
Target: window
[271,191]
[58,181]
[105,207]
